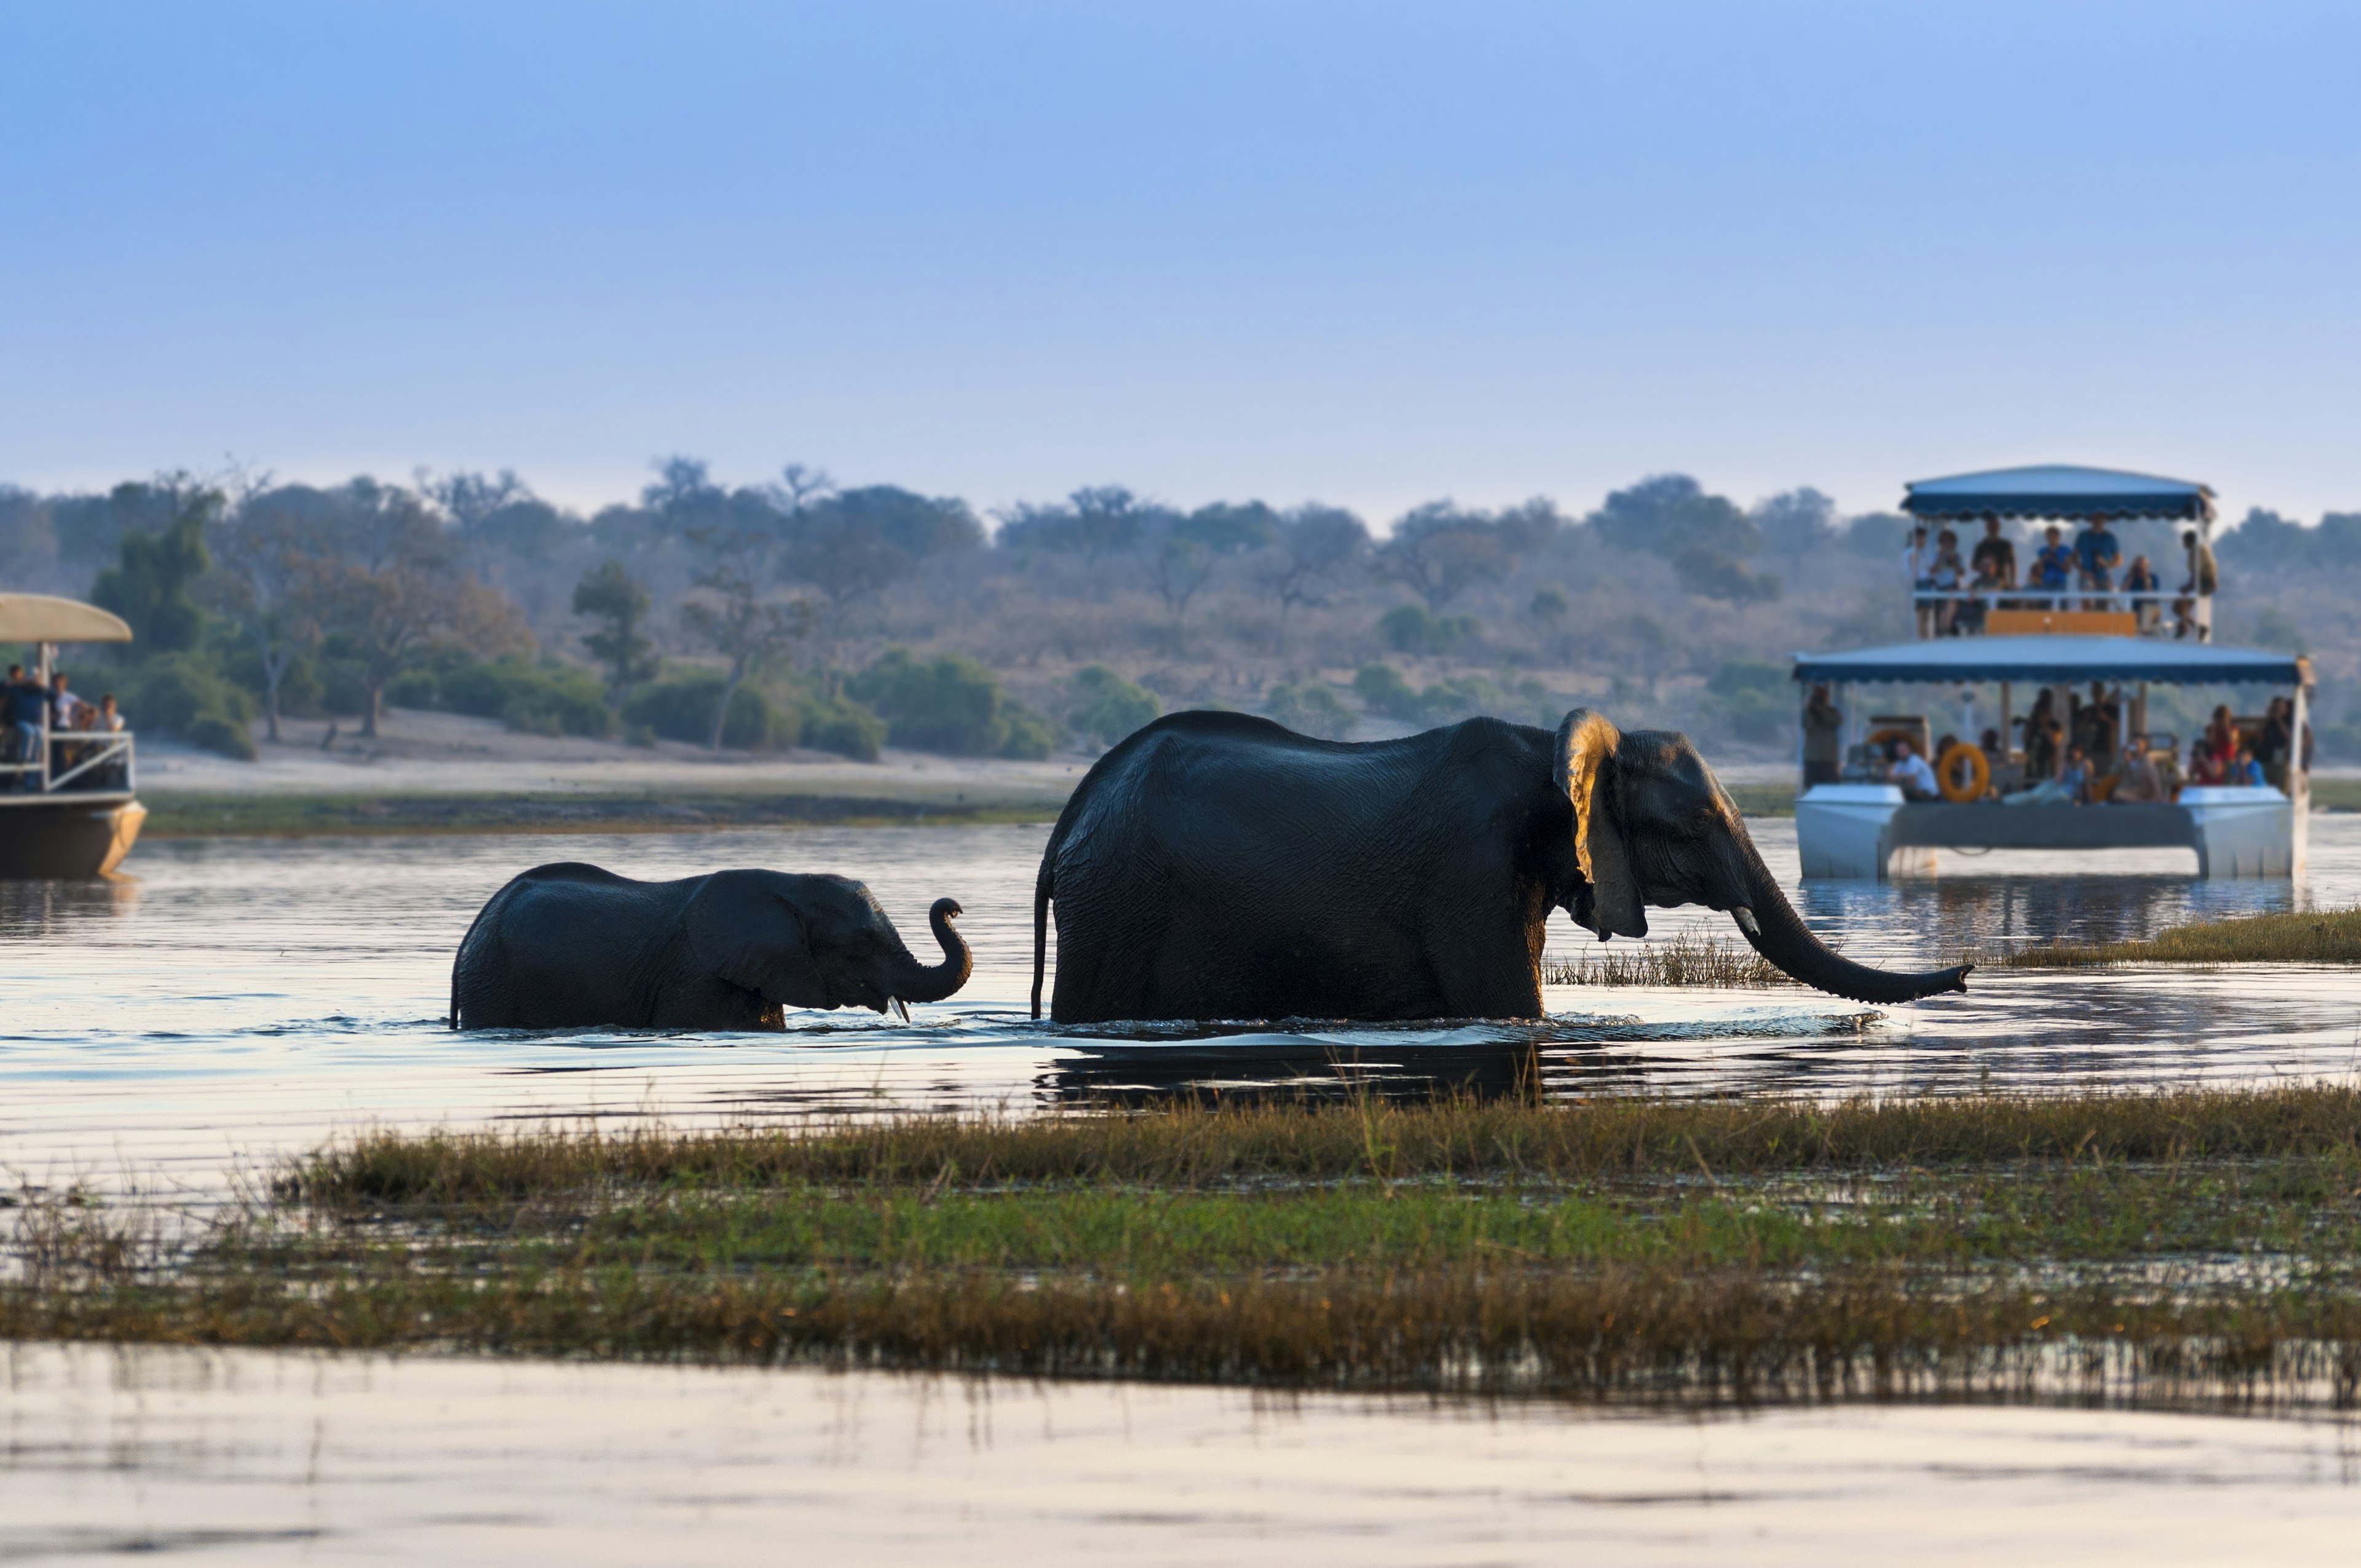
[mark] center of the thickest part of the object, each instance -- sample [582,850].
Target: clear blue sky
[1369,253]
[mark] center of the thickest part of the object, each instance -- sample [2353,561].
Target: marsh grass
[2322,936]
[2193,1246]
[1685,959]
[1213,1144]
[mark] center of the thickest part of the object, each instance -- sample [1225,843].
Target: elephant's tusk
[1746,921]
[901,1006]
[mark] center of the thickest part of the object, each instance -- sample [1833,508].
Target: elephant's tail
[1040,932]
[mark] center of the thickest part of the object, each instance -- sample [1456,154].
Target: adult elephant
[571,946]
[1218,866]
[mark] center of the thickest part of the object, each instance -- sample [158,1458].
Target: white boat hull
[1866,832]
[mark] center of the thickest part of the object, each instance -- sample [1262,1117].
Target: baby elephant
[571,946]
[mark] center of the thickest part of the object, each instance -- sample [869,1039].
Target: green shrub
[1312,709]
[680,707]
[1031,736]
[548,697]
[952,705]
[1106,707]
[831,723]
[226,737]
[1411,628]
[1383,691]
[186,695]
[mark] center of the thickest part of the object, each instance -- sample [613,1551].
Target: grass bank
[2182,1247]
[2322,936]
[193,815]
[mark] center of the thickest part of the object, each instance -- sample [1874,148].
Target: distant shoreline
[204,815]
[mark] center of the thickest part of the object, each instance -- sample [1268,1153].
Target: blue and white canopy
[2052,660]
[2060,490]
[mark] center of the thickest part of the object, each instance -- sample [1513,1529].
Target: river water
[229,1001]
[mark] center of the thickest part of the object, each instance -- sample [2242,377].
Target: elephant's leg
[1485,962]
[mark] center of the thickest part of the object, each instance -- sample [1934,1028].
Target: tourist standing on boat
[1948,575]
[2204,581]
[2277,743]
[27,702]
[2096,556]
[1918,562]
[2042,734]
[65,709]
[1993,559]
[1823,739]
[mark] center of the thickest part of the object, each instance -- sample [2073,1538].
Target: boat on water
[69,801]
[2146,657]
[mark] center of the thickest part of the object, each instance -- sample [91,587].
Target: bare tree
[395,586]
[264,558]
[732,616]
[1317,545]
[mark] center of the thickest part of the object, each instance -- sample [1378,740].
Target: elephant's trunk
[1779,934]
[921,982]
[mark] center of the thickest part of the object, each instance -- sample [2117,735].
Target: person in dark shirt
[1823,739]
[2204,581]
[1995,555]
[27,702]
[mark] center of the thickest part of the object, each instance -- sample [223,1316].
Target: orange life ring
[1957,791]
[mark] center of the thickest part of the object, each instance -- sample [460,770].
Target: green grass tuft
[2322,936]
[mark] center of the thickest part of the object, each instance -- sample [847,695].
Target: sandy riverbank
[437,772]
[449,753]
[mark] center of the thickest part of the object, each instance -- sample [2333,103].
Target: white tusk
[902,1007]
[1746,922]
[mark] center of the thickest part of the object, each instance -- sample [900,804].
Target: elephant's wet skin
[1218,866]
[574,946]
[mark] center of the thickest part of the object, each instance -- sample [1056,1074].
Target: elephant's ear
[1585,769]
[750,935]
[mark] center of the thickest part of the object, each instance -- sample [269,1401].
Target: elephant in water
[571,946]
[1218,866]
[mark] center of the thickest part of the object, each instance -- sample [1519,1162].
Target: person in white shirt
[1911,772]
[1918,561]
[65,709]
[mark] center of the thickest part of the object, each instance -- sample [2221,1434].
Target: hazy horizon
[1373,256]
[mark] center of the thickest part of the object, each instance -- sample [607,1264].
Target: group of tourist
[2089,565]
[2074,757]
[29,709]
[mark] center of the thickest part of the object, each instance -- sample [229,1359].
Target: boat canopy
[2060,490]
[41,618]
[2051,660]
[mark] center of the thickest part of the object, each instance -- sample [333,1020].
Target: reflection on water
[237,998]
[266,1458]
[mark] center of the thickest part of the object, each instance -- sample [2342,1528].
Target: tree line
[797,611]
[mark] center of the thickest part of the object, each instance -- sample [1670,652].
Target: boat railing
[73,760]
[2158,612]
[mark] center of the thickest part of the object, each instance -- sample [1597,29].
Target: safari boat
[2146,657]
[70,810]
